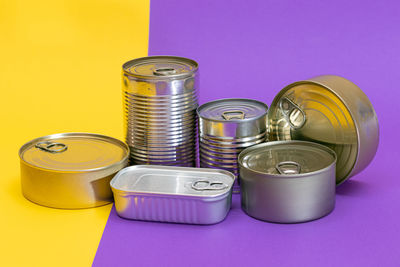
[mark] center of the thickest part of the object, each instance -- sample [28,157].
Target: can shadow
[101,189]
[353,188]
[13,188]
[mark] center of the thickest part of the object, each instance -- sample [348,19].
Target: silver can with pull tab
[71,170]
[226,127]
[332,111]
[160,101]
[173,194]
[287,181]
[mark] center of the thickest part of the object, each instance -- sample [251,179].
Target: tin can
[287,181]
[226,127]
[71,170]
[173,194]
[332,111]
[160,101]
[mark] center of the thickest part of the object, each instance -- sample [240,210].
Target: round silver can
[160,101]
[226,127]
[71,170]
[332,111]
[287,181]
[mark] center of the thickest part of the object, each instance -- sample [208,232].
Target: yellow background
[60,72]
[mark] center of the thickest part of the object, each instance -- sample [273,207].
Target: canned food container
[160,101]
[332,111]
[173,194]
[226,127]
[287,181]
[71,170]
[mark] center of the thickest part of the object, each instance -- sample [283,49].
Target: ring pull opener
[294,115]
[288,167]
[202,185]
[233,115]
[51,147]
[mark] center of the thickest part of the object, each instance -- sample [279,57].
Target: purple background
[253,49]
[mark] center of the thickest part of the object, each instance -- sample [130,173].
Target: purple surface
[253,49]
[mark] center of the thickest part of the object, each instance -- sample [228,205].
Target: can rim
[130,63]
[293,176]
[160,98]
[198,110]
[58,135]
[235,139]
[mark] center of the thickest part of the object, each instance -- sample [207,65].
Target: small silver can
[287,181]
[71,170]
[226,127]
[173,194]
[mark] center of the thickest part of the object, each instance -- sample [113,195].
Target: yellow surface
[60,71]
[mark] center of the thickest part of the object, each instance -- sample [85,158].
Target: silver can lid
[287,158]
[160,67]
[74,152]
[177,181]
[310,111]
[232,110]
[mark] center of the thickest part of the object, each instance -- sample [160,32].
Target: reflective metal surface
[332,111]
[173,194]
[226,127]
[160,99]
[287,181]
[71,170]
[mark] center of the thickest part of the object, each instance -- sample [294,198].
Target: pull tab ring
[51,147]
[164,71]
[292,113]
[233,114]
[288,167]
[202,185]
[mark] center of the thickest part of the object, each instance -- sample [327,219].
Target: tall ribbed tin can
[226,127]
[160,101]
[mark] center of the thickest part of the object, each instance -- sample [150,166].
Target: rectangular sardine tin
[173,194]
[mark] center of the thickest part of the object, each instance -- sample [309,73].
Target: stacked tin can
[160,101]
[228,126]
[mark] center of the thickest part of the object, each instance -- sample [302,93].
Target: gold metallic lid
[74,152]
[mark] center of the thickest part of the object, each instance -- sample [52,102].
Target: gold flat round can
[71,170]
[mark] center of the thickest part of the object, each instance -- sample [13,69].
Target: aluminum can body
[160,100]
[226,127]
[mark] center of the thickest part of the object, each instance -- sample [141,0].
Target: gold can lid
[74,152]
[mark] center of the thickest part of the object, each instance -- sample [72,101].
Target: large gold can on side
[332,111]
[71,170]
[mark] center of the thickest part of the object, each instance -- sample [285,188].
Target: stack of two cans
[228,126]
[160,102]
